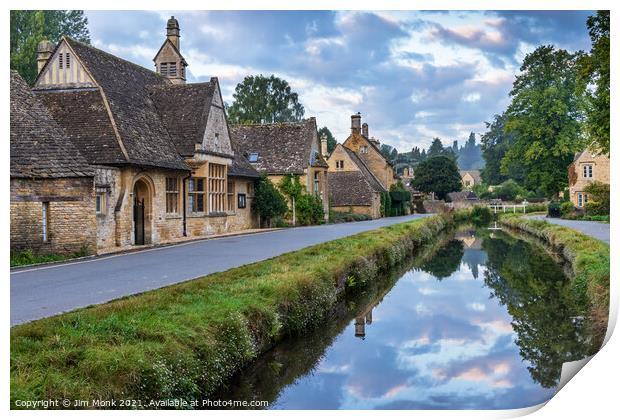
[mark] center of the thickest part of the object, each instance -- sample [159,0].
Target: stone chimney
[365,130]
[173,32]
[324,145]
[44,52]
[356,120]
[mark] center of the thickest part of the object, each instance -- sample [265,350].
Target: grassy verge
[28,257]
[186,340]
[590,262]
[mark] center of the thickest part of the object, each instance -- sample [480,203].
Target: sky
[413,75]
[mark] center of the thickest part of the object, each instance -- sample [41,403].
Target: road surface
[39,292]
[595,230]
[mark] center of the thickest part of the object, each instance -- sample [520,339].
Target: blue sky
[413,75]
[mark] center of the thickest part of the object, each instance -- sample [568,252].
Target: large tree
[495,143]
[439,175]
[260,99]
[594,78]
[29,27]
[331,140]
[469,156]
[437,149]
[546,116]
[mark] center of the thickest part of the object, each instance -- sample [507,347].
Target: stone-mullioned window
[196,195]
[172,195]
[217,188]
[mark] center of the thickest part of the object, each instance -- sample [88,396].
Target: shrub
[566,208]
[510,191]
[481,215]
[598,199]
[309,210]
[268,202]
[343,217]
[400,198]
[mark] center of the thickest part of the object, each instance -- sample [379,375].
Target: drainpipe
[185,204]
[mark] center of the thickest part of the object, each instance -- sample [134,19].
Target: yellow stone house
[587,167]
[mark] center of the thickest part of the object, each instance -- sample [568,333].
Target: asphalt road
[39,292]
[595,230]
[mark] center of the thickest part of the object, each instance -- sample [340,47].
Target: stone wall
[71,222]
[373,159]
[577,182]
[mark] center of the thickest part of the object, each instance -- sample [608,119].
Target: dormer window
[253,158]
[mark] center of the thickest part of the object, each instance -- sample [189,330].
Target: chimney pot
[356,120]
[324,145]
[365,130]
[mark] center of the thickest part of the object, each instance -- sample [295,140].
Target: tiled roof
[282,148]
[350,188]
[240,165]
[39,146]
[126,87]
[184,110]
[83,116]
[370,177]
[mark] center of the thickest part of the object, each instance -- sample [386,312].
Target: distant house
[586,168]
[52,196]
[291,148]
[470,178]
[359,173]
[352,185]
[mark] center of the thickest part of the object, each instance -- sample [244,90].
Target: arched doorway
[142,199]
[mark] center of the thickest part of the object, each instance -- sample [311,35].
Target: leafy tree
[439,175]
[268,202]
[261,99]
[400,198]
[29,27]
[331,140]
[594,72]
[546,116]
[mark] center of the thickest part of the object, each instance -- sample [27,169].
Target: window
[67,61]
[100,202]
[241,201]
[60,61]
[340,164]
[253,157]
[316,183]
[587,171]
[217,187]
[364,149]
[231,196]
[582,199]
[196,195]
[45,220]
[172,195]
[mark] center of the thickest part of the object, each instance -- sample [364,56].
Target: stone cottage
[290,148]
[52,197]
[358,173]
[165,167]
[587,167]
[470,178]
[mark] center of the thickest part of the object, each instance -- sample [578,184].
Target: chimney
[44,52]
[324,145]
[365,130]
[173,32]
[356,120]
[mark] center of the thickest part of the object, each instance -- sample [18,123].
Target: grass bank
[29,257]
[184,341]
[590,262]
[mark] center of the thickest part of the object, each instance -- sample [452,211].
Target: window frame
[45,221]
[100,201]
[230,195]
[242,200]
[588,171]
[172,195]
[217,185]
[195,196]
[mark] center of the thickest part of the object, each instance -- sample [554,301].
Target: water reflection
[473,323]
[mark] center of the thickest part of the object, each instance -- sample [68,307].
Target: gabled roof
[349,188]
[372,144]
[125,88]
[475,174]
[283,148]
[174,47]
[370,177]
[184,110]
[39,146]
[241,167]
